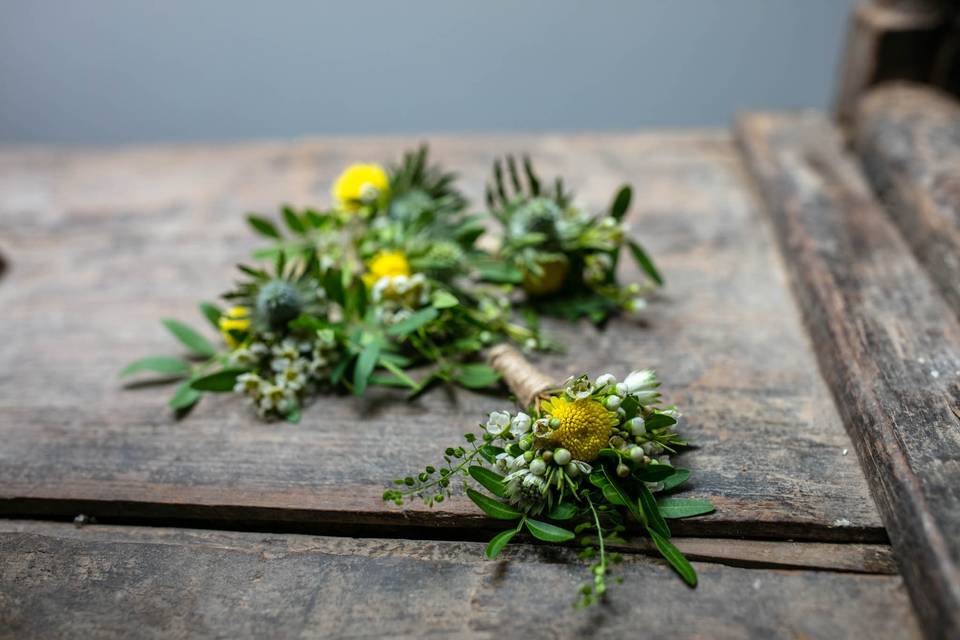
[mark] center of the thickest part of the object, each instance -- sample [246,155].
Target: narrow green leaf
[683,507]
[621,202]
[293,221]
[190,338]
[658,421]
[219,381]
[493,508]
[495,546]
[263,226]
[157,364]
[366,363]
[623,497]
[212,313]
[678,478]
[444,300]
[676,559]
[562,511]
[490,452]
[645,263]
[184,397]
[655,472]
[414,322]
[476,376]
[492,482]
[548,532]
[648,504]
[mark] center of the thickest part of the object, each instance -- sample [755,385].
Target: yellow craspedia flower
[235,319]
[554,273]
[386,264]
[585,426]
[361,184]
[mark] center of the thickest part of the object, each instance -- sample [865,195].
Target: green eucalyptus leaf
[366,362]
[157,364]
[218,381]
[184,397]
[492,482]
[621,202]
[658,421]
[645,263]
[678,478]
[648,504]
[495,546]
[676,559]
[493,508]
[683,507]
[476,376]
[444,299]
[562,511]
[212,313]
[263,226]
[190,338]
[548,532]
[293,221]
[414,322]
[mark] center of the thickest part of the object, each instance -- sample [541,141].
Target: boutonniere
[589,460]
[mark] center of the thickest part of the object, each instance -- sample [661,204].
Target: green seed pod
[623,470]
[278,303]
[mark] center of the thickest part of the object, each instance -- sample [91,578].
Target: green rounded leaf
[190,338]
[548,532]
[495,546]
[562,511]
[492,482]
[212,313]
[184,397]
[157,364]
[263,226]
[621,202]
[678,478]
[218,382]
[444,300]
[493,508]
[476,376]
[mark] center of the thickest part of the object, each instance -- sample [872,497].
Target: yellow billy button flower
[554,273]
[359,185]
[235,319]
[585,425]
[386,264]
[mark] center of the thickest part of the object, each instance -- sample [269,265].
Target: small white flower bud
[612,402]
[562,456]
[538,467]
[623,470]
[554,423]
[528,456]
[525,444]
[621,389]
[636,454]
[606,380]
[636,426]
[572,470]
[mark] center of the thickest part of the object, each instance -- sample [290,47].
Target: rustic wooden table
[221,525]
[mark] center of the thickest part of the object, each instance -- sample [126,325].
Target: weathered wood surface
[57,581]
[888,345]
[886,41]
[908,140]
[102,244]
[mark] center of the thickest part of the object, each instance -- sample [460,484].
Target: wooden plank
[173,583]
[103,243]
[897,41]
[908,140]
[889,346]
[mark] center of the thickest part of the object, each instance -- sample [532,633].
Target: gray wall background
[119,71]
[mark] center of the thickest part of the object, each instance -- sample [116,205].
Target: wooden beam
[888,345]
[886,41]
[908,140]
[57,581]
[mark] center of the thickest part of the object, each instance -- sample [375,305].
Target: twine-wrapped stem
[524,380]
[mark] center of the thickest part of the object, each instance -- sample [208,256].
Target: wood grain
[104,243]
[888,345]
[908,140]
[58,581]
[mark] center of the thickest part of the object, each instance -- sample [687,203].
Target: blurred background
[116,71]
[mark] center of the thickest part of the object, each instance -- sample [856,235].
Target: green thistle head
[278,302]
[536,215]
